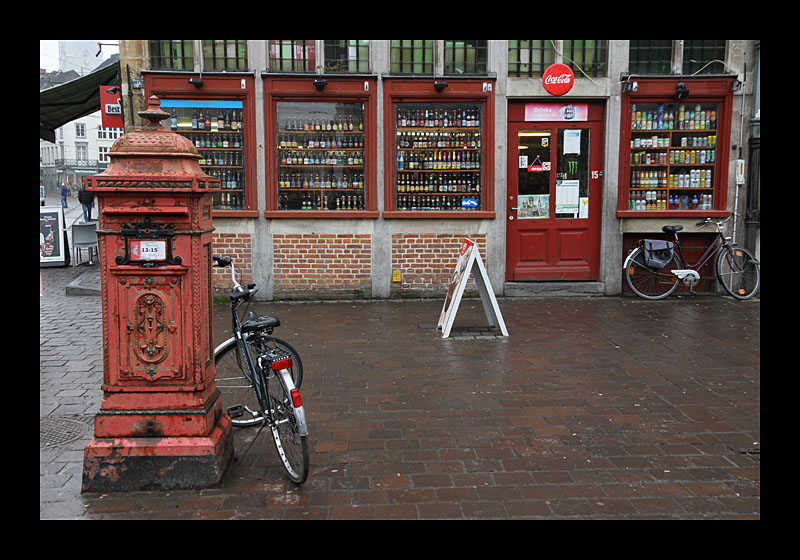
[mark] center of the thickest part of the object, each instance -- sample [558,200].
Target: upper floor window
[411,56]
[224,54]
[529,57]
[296,55]
[346,55]
[587,54]
[172,54]
[655,56]
[465,56]
[698,53]
[650,56]
[80,130]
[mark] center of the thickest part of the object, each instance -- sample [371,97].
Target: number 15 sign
[469,261]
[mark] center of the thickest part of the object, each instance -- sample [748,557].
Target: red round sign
[558,79]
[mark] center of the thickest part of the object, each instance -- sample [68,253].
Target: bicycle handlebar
[222,261]
[719,225]
[238,291]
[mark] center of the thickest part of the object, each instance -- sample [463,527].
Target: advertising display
[53,248]
[469,261]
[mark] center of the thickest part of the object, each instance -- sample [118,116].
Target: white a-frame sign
[469,261]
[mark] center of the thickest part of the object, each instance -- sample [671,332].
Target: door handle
[513,208]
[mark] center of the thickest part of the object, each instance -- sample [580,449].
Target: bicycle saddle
[259,323]
[671,229]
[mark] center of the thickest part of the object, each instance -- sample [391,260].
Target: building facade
[354,168]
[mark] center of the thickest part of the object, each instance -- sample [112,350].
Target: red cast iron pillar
[161,424]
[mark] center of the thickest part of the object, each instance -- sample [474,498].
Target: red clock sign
[558,79]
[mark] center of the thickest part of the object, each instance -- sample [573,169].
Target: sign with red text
[558,79]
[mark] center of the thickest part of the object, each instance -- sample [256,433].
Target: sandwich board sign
[469,261]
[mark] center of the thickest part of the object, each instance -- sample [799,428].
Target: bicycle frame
[720,243]
[711,251]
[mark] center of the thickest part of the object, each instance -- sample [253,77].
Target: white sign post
[469,261]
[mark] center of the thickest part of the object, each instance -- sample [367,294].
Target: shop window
[346,55]
[673,156]
[438,150]
[411,56]
[650,56]
[529,57]
[222,54]
[216,128]
[172,54]
[591,56]
[465,57]
[703,56]
[320,156]
[292,55]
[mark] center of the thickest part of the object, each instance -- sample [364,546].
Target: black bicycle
[259,376]
[655,268]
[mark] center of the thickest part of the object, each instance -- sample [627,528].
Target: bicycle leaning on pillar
[259,376]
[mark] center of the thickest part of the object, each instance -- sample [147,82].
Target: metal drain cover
[55,431]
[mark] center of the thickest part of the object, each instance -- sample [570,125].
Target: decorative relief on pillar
[151,351]
[150,338]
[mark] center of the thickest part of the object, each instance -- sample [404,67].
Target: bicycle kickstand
[239,459]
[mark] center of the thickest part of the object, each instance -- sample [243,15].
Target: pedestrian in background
[86,199]
[64,195]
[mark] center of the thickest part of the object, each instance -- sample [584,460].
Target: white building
[81,145]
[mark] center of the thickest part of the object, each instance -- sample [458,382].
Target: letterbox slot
[149,210]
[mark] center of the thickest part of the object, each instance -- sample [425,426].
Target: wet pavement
[592,408]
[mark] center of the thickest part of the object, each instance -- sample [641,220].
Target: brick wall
[310,266]
[238,246]
[426,262]
[322,265]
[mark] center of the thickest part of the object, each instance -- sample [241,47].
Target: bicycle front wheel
[738,272]
[650,283]
[291,446]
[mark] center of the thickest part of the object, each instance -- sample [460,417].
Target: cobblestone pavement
[593,408]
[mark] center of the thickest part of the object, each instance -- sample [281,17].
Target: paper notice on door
[572,141]
[567,197]
[583,211]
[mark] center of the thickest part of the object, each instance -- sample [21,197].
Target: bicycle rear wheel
[738,272]
[291,446]
[239,397]
[651,283]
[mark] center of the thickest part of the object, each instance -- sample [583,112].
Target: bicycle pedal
[235,411]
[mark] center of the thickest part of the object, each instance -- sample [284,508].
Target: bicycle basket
[657,253]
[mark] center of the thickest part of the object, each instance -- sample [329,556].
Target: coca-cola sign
[558,79]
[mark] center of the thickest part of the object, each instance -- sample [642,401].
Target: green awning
[74,99]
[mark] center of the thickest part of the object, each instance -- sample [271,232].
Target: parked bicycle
[259,376]
[655,268]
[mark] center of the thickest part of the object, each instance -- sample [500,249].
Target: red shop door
[554,192]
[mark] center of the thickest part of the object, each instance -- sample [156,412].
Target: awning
[74,99]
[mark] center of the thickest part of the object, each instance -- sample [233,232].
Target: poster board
[469,262]
[53,250]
